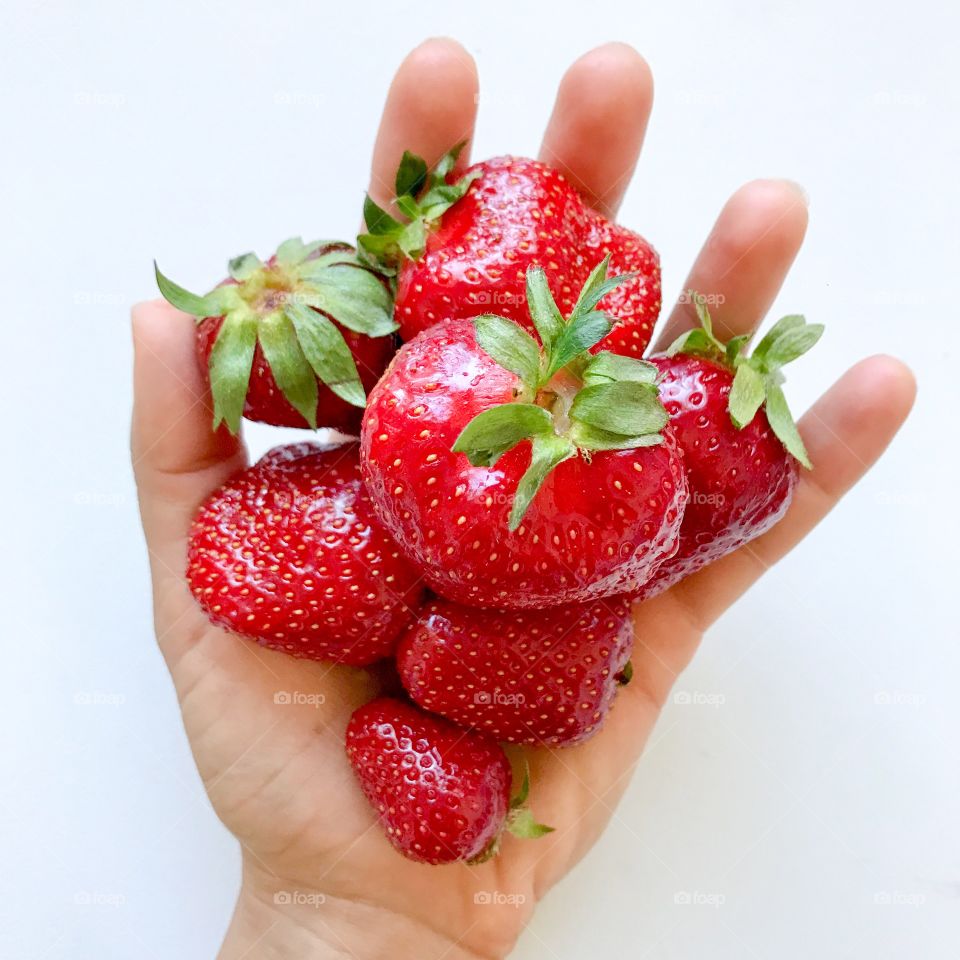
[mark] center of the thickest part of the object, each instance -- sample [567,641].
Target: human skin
[320,879]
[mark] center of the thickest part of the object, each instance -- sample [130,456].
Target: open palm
[267,732]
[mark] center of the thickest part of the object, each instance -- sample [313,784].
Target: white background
[815,803]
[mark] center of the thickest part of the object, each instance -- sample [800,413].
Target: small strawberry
[741,446]
[295,341]
[516,475]
[289,553]
[524,676]
[469,242]
[442,792]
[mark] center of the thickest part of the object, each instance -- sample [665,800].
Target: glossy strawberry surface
[524,676]
[741,481]
[516,214]
[289,553]
[441,792]
[595,528]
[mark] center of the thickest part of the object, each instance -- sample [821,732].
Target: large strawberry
[517,475]
[295,341]
[466,245]
[289,553]
[741,446]
[441,792]
[524,676]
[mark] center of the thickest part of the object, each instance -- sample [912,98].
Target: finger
[845,433]
[431,107]
[598,123]
[745,260]
[177,458]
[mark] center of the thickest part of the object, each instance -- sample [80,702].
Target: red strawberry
[443,793]
[587,508]
[289,553]
[741,446]
[470,242]
[532,676]
[295,341]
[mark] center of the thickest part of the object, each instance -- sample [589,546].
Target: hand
[319,878]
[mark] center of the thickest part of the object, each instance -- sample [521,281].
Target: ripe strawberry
[295,341]
[289,553]
[741,446]
[443,793]
[587,508]
[533,676]
[469,243]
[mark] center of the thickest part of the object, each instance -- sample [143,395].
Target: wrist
[276,920]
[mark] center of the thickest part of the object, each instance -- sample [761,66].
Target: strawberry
[469,242]
[741,446]
[295,341]
[289,553]
[525,676]
[516,475]
[443,793]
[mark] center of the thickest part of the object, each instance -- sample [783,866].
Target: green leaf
[543,309]
[629,408]
[448,161]
[522,824]
[583,331]
[792,344]
[289,366]
[593,438]
[782,423]
[747,393]
[327,353]
[597,286]
[412,239]
[547,450]
[408,207]
[378,221]
[696,342]
[230,361]
[494,431]
[524,792]
[353,296]
[735,347]
[511,346]
[703,314]
[607,367]
[183,299]
[291,251]
[626,674]
[782,326]
[411,174]
[243,267]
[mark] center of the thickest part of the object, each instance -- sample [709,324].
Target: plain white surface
[808,807]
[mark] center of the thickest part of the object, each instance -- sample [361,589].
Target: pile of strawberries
[521,476]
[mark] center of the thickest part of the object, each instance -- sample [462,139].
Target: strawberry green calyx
[569,402]
[757,378]
[520,822]
[422,196]
[288,306]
